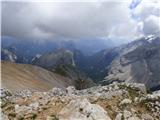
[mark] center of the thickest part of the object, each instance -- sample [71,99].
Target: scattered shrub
[12,114]
[54,117]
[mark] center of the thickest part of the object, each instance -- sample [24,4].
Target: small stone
[133,118]
[34,105]
[126,101]
[70,90]
[119,116]
[147,117]
[127,114]
[56,92]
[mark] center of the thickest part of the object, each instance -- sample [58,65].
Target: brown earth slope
[23,76]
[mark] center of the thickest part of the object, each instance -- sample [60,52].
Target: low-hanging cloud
[70,20]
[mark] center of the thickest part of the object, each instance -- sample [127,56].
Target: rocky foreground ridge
[117,101]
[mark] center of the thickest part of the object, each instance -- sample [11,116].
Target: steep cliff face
[138,62]
[54,59]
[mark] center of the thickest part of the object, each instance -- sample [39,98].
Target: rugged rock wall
[138,62]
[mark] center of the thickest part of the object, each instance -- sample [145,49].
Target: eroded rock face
[82,109]
[138,62]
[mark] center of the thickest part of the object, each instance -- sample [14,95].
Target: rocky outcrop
[118,101]
[82,109]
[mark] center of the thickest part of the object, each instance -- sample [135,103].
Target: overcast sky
[77,20]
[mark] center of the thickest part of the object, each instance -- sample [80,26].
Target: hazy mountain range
[137,61]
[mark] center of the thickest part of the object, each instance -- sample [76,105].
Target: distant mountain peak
[8,55]
[150,38]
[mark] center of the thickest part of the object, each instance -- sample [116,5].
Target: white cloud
[148,13]
[70,20]
[151,25]
[147,8]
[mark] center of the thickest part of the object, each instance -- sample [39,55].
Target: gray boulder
[82,109]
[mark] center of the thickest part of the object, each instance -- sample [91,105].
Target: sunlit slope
[23,76]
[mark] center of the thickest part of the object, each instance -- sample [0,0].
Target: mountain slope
[22,76]
[96,66]
[64,62]
[138,62]
[53,59]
